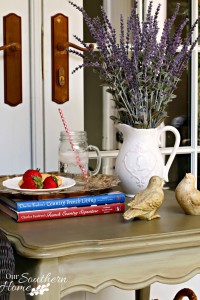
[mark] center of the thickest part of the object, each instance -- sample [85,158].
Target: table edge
[110,247]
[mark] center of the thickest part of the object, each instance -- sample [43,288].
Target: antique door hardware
[12,59]
[60,58]
[65,45]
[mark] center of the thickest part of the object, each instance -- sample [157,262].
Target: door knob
[12,59]
[60,58]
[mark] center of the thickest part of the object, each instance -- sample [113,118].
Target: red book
[58,213]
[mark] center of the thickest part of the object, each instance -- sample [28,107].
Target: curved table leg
[142,294]
[42,272]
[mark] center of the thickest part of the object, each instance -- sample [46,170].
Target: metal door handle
[12,59]
[60,58]
[11,46]
[66,45]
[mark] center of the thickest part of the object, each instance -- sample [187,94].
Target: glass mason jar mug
[68,165]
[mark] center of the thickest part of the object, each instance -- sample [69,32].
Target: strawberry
[50,182]
[30,173]
[32,183]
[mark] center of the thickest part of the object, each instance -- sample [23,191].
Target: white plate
[12,184]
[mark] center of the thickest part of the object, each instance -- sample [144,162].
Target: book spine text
[70,212]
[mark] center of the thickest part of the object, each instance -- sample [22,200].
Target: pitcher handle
[172,155]
[98,164]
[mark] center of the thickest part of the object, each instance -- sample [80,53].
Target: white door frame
[36,84]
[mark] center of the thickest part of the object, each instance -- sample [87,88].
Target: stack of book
[54,208]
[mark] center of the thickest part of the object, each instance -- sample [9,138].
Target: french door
[30,130]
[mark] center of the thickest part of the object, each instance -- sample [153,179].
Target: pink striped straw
[72,145]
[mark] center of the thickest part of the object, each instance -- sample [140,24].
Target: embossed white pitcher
[140,158]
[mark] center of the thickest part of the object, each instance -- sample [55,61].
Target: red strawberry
[30,173]
[32,183]
[50,182]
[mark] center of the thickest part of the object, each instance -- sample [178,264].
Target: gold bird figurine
[188,196]
[145,204]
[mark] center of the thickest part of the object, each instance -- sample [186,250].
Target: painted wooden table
[92,253]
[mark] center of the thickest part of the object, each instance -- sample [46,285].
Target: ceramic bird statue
[188,196]
[145,204]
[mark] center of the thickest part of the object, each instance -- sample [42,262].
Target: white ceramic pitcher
[140,158]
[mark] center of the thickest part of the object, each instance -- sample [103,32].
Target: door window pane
[185,7]
[179,110]
[92,87]
[199,99]
[180,166]
[198,177]
[199,12]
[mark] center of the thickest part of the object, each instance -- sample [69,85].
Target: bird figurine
[187,195]
[145,204]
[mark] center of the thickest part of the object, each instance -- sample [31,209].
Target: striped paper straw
[72,145]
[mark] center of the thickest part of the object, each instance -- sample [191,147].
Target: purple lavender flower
[140,70]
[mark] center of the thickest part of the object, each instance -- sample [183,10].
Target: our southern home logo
[30,285]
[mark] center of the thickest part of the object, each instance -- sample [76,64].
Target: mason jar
[73,156]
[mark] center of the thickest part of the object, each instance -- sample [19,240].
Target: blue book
[24,205]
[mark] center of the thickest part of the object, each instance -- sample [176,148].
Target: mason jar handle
[174,151]
[98,164]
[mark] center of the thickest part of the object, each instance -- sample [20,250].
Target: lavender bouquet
[140,70]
